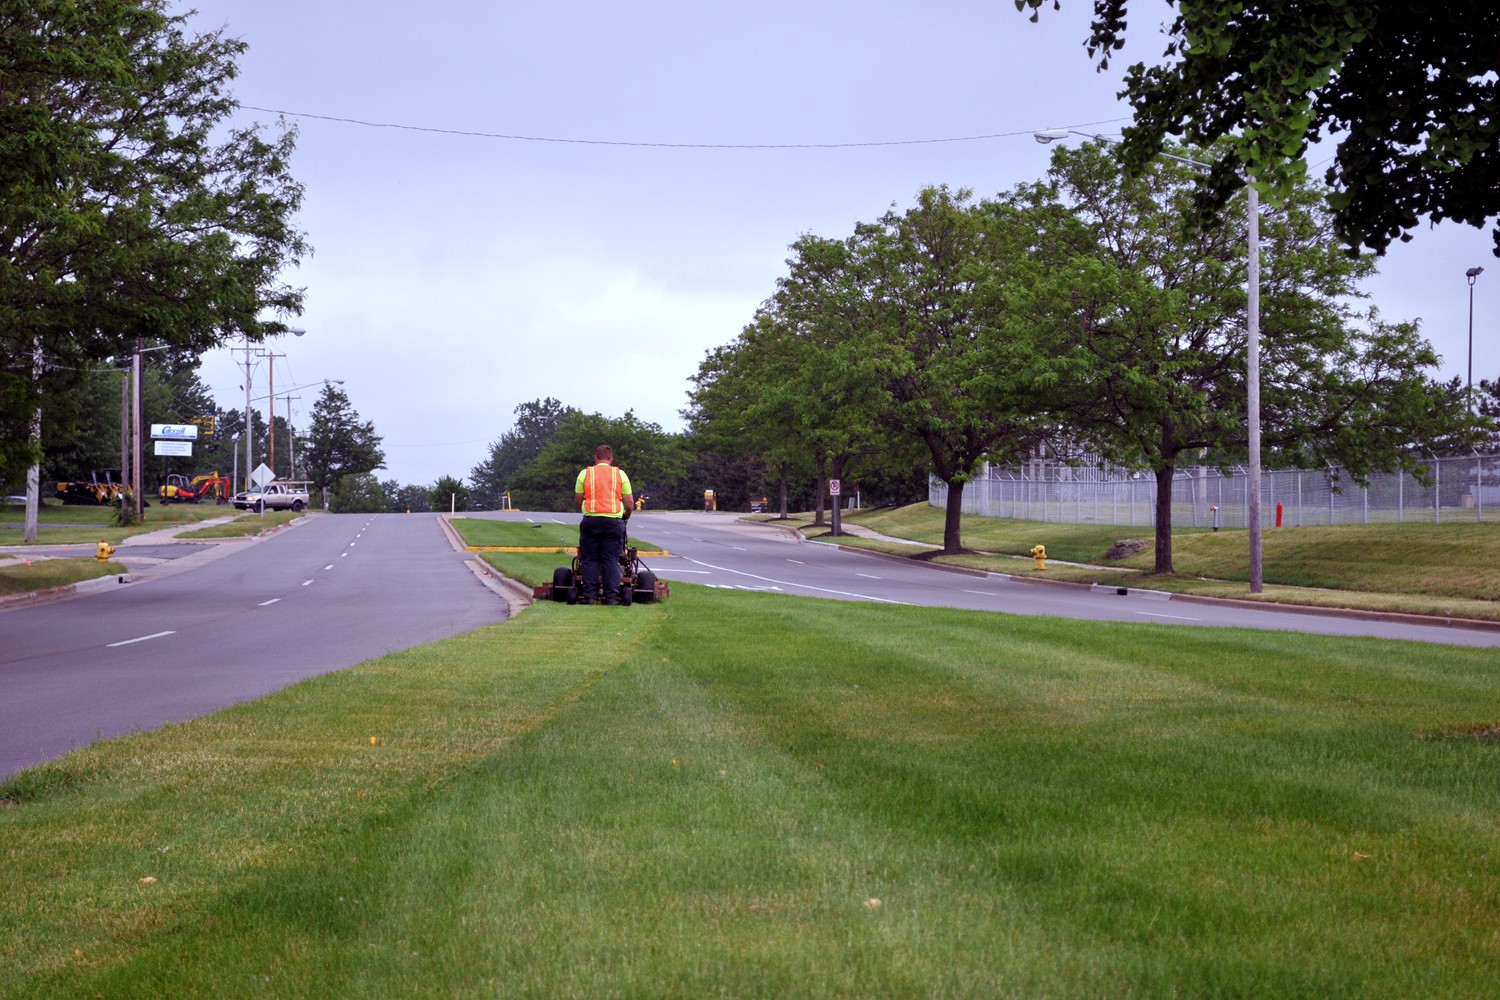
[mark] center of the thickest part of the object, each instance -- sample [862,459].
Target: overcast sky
[456,276]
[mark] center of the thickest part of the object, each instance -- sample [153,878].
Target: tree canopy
[1142,333]
[338,443]
[129,208]
[1408,90]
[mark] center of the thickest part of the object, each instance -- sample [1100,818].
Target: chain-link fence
[1460,489]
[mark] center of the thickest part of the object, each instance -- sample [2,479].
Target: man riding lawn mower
[606,569]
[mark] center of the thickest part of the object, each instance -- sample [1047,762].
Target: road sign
[262,475]
[833,487]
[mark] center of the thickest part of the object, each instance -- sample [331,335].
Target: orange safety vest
[602,492]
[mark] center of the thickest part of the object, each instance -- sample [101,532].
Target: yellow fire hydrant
[1039,553]
[104,551]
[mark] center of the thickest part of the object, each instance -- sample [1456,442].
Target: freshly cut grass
[1435,560]
[243,524]
[60,524]
[557,530]
[19,578]
[753,795]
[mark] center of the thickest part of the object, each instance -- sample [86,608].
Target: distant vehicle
[179,489]
[287,495]
[104,486]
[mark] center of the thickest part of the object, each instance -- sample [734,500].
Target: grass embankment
[557,532]
[1436,569]
[22,577]
[754,795]
[64,524]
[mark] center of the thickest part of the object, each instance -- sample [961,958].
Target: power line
[656,145]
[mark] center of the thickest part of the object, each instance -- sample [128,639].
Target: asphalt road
[216,625]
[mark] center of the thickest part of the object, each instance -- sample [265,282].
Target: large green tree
[339,443]
[940,343]
[654,459]
[1407,89]
[130,210]
[1145,320]
[534,428]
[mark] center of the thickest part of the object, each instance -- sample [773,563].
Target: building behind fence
[1461,489]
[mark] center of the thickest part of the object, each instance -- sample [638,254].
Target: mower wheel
[645,586]
[562,584]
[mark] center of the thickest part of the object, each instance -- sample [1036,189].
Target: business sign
[174,432]
[178,449]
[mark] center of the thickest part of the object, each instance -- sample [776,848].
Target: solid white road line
[267,604]
[127,642]
[796,586]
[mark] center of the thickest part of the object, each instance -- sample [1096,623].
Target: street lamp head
[1473,273]
[296,331]
[1050,135]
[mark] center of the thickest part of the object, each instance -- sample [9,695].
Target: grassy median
[748,795]
[1444,570]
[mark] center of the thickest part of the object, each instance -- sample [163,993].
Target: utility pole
[271,409]
[291,439]
[135,431]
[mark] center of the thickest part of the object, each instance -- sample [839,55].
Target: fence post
[1478,488]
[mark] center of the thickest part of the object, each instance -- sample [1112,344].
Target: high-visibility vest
[602,490]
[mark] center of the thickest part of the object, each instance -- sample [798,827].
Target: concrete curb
[515,594]
[50,594]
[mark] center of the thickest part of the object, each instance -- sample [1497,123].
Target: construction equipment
[179,489]
[104,486]
[637,583]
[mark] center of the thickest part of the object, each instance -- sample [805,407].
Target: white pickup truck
[273,496]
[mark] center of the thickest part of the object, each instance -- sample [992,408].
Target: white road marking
[795,586]
[329,566]
[738,548]
[1179,618]
[127,642]
[267,604]
[307,583]
[343,555]
[867,576]
[799,562]
[981,593]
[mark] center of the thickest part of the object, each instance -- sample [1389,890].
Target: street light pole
[1471,274]
[1252,346]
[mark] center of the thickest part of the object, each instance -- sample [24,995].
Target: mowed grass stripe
[707,797]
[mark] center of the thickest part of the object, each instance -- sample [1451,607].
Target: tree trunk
[953,519]
[783,491]
[1164,476]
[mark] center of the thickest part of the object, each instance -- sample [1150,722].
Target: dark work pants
[601,540]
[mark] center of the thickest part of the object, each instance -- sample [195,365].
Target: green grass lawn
[748,795]
[560,533]
[21,576]
[65,524]
[1429,568]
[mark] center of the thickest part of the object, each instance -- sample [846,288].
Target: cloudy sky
[583,198]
